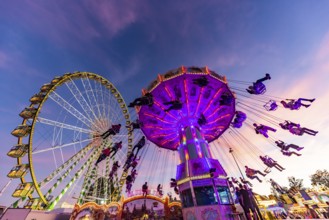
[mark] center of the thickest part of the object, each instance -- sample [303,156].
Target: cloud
[69,24]
[112,15]
[132,69]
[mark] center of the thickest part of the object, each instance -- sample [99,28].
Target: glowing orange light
[186,155]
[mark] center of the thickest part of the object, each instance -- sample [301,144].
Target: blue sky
[130,42]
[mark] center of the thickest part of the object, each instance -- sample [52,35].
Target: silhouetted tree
[295,183]
[320,178]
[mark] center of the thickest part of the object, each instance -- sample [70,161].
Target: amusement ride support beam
[107,174]
[65,174]
[76,176]
[90,174]
[99,90]
[78,156]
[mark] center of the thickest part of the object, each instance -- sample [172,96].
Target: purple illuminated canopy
[162,128]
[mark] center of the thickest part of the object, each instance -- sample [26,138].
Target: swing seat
[271,105]
[259,88]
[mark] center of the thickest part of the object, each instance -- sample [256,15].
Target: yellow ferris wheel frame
[58,81]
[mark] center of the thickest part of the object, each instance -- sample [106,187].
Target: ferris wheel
[62,136]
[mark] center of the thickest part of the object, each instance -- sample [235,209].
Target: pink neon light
[187,105]
[199,150]
[169,94]
[168,113]
[224,116]
[217,110]
[193,131]
[197,107]
[166,141]
[157,127]
[209,135]
[215,96]
[212,128]
[154,116]
[162,135]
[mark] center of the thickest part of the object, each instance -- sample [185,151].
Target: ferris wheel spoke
[69,108]
[97,87]
[104,106]
[81,100]
[53,152]
[113,111]
[90,95]
[63,125]
[61,146]
[108,108]
[115,117]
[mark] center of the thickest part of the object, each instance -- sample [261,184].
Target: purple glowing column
[198,172]
[192,144]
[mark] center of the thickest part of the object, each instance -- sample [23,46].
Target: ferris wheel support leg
[65,174]
[87,181]
[107,173]
[76,176]
[81,153]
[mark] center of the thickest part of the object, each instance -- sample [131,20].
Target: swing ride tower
[208,107]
